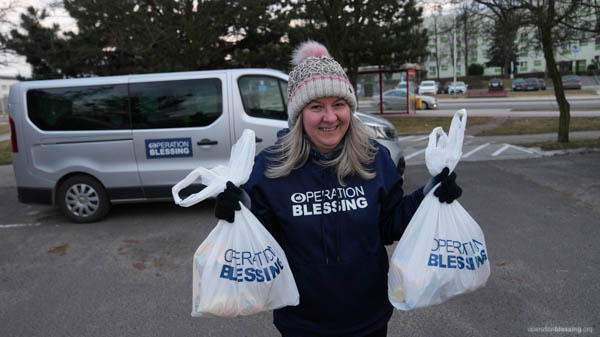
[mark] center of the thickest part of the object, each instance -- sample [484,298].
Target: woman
[332,198]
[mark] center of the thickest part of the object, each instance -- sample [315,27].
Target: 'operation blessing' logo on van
[168,148]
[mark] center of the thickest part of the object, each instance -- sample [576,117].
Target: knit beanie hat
[315,75]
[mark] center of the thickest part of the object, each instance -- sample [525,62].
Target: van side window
[175,104]
[99,107]
[264,97]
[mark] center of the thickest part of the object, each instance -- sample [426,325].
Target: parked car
[496,84]
[458,87]
[83,144]
[518,84]
[428,102]
[445,87]
[402,85]
[531,84]
[393,99]
[438,85]
[571,82]
[427,87]
[541,83]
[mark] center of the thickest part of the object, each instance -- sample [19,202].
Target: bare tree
[468,22]
[554,23]
[6,8]
[502,34]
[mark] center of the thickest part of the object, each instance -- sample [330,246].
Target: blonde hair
[293,150]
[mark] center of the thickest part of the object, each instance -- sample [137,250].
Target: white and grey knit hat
[315,75]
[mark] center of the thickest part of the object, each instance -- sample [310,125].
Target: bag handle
[217,184]
[237,171]
[434,141]
[456,136]
[445,150]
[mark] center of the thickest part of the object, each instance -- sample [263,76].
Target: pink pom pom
[308,49]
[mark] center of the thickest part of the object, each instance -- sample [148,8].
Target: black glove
[448,191]
[228,202]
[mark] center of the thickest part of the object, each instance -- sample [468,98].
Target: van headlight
[379,131]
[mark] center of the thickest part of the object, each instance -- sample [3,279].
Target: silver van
[84,144]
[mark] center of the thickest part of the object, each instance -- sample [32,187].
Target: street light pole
[454,59]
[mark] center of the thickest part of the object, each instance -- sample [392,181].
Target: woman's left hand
[448,191]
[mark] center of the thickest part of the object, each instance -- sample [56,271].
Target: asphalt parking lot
[130,275]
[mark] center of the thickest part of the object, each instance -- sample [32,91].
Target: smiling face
[325,121]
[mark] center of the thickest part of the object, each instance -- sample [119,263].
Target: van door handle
[258,140]
[207,141]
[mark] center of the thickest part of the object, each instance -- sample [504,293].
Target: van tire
[83,199]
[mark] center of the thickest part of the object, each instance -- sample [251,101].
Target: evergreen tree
[47,54]
[503,48]
[377,32]
[259,34]
[144,36]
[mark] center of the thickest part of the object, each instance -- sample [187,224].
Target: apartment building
[574,57]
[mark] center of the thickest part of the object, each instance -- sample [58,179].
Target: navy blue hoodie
[333,237]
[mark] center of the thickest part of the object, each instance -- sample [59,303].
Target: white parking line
[17,225]
[420,138]
[506,146]
[522,149]
[502,149]
[468,154]
[404,138]
[414,154]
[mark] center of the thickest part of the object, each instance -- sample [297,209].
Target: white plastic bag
[442,253]
[239,269]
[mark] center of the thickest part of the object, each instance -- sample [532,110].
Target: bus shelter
[388,91]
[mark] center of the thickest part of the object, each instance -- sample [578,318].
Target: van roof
[99,80]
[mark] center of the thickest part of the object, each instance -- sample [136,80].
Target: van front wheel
[83,199]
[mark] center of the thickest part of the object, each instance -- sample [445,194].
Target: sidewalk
[534,138]
[518,98]
[449,112]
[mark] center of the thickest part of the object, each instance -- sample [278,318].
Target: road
[529,106]
[130,275]
[523,103]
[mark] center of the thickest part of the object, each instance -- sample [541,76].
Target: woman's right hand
[228,202]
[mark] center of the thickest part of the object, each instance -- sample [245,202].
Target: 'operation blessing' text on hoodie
[339,199]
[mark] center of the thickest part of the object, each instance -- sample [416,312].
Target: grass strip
[573,144]
[5,153]
[412,124]
[533,125]
[551,109]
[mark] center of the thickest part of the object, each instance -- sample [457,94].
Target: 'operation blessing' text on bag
[470,255]
[261,266]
